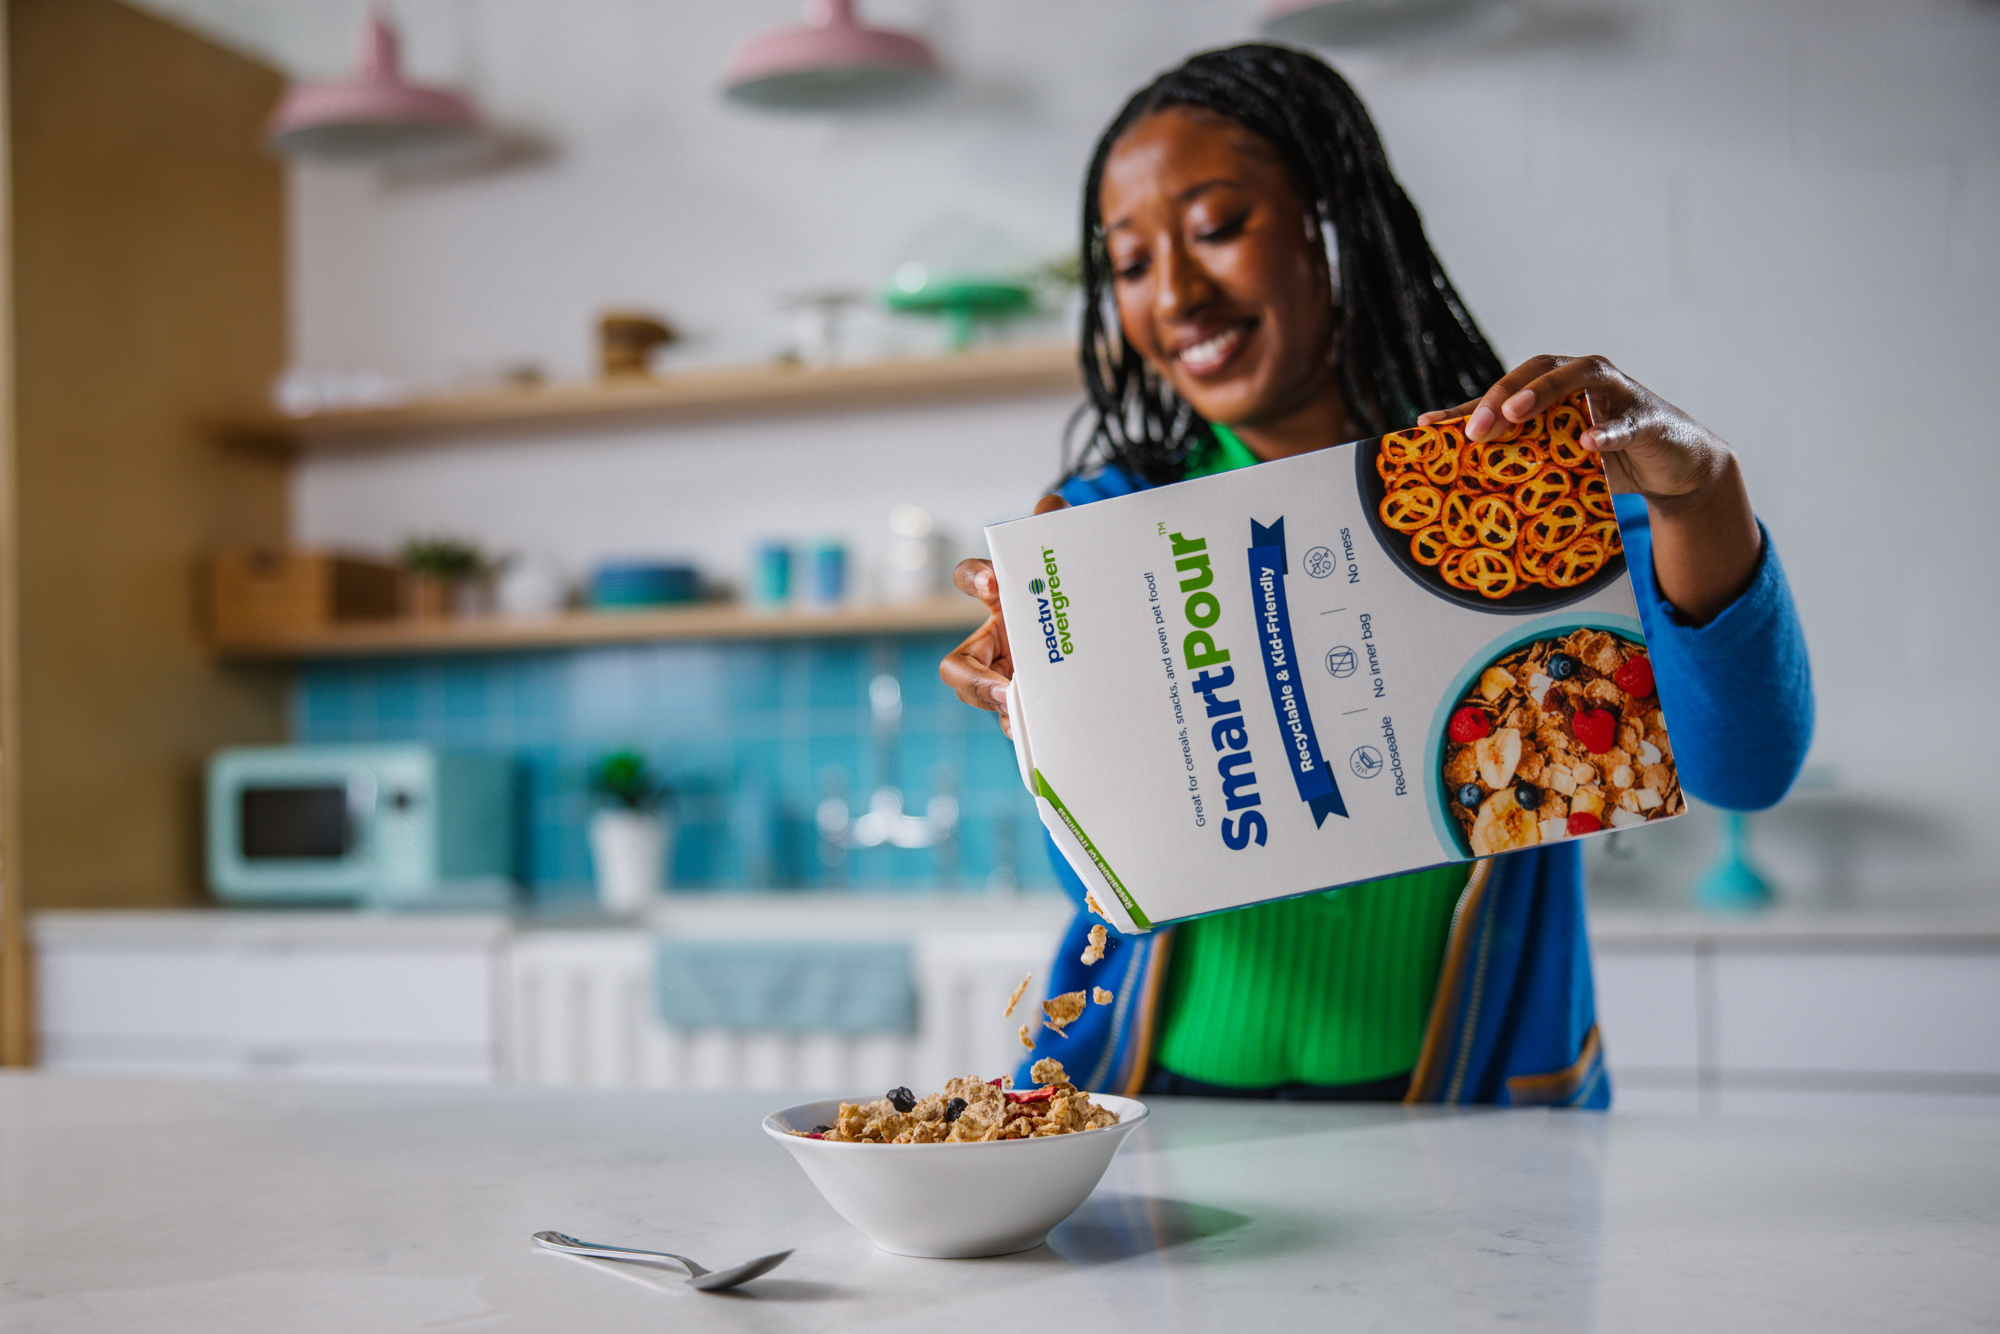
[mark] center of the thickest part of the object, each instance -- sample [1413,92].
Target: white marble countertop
[218,1207]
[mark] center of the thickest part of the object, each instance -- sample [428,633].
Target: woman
[1257,285]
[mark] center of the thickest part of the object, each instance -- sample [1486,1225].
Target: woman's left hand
[1649,446]
[1706,542]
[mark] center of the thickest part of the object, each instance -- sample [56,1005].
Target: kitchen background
[1784,217]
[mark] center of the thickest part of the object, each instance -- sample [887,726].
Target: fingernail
[1482,421]
[1521,406]
[999,694]
[984,581]
[1592,442]
[1426,418]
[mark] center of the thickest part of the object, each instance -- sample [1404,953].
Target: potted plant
[630,835]
[443,575]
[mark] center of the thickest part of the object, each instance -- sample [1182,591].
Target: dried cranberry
[952,1109]
[1583,822]
[1635,678]
[1470,724]
[1036,1095]
[902,1099]
[1597,729]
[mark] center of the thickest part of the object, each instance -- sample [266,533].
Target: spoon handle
[568,1245]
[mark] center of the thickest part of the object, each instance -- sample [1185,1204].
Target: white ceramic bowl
[955,1201]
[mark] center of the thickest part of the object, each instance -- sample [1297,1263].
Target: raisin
[902,1100]
[952,1109]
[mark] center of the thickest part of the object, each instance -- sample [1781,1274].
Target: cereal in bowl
[969,1111]
[1562,736]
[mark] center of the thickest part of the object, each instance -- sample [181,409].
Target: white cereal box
[1366,660]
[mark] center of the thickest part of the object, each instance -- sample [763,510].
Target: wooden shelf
[746,391]
[493,634]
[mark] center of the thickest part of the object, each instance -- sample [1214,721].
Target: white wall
[1784,216]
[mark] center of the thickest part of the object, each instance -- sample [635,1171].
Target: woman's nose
[1184,286]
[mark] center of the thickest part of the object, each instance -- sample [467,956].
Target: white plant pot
[628,854]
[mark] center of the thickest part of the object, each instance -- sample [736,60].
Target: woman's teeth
[1211,351]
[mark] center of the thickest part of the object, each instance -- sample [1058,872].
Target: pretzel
[1565,423]
[1542,490]
[1413,446]
[1469,473]
[1605,533]
[1495,521]
[1594,490]
[1412,508]
[1407,478]
[1509,464]
[1489,573]
[1576,562]
[1448,567]
[1429,546]
[1557,526]
[1533,563]
[1451,434]
[1456,519]
[1442,468]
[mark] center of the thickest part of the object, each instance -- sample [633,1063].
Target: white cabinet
[315,996]
[1770,1018]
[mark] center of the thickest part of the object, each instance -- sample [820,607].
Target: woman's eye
[1228,230]
[1130,271]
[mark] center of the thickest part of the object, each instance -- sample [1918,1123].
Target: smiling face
[1221,286]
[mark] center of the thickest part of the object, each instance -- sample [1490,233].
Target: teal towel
[859,986]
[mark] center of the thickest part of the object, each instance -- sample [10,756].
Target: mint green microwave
[379,826]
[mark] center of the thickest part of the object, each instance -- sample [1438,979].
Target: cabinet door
[328,1012]
[1880,1012]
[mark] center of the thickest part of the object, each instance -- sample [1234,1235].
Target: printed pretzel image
[1488,572]
[1509,463]
[1413,508]
[1557,526]
[1605,533]
[1542,490]
[1459,528]
[1595,493]
[1410,447]
[1448,568]
[1493,517]
[1533,564]
[1429,545]
[1576,562]
[1442,467]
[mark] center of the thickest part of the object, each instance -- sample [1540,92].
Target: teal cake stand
[1733,884]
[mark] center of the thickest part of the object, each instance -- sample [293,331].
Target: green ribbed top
[1332,988]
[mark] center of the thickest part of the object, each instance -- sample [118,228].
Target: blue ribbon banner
[1268,568]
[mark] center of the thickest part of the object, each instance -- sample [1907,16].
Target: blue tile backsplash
[752,736]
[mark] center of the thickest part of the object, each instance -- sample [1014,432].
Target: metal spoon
[708,1280]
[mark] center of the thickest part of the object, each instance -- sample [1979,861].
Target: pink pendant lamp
[373,117]
[830,63]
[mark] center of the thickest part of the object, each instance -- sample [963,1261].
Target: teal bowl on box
[1547,627]
[636,586]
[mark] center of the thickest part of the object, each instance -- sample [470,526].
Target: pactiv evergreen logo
[1053,605]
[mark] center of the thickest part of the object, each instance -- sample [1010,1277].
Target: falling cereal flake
[1095,950]
[1102,997]
[1090,902]
[1062,1011]
[1027,1038]
[1015,999]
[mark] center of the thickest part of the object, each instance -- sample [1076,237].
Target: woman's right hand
[980,669]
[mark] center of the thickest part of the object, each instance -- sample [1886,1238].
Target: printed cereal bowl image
[976,1169]
[1559,736]
[1521,524]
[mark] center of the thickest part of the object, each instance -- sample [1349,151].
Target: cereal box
[1390,655]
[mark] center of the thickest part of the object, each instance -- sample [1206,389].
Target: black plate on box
[1524,599]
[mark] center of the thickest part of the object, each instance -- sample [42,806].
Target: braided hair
[1405,341]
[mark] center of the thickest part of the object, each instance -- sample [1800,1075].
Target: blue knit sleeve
[1737,691]
[1100,485]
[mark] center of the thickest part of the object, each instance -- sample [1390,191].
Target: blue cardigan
[1514,1020]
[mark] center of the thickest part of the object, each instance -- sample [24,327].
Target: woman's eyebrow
[1182,197]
